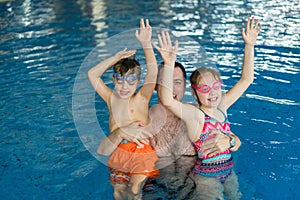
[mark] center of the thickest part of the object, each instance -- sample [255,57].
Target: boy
[129,164]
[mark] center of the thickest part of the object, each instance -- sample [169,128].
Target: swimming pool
[44,48]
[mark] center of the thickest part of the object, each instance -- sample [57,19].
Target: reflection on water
[43,44]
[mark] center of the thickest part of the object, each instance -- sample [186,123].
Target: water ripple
[273,100]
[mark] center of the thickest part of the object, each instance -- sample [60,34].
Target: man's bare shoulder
[157,112]
[157,108]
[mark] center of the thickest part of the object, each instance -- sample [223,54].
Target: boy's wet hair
[197,74]
[128,65]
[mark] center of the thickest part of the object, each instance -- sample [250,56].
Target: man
[169,139]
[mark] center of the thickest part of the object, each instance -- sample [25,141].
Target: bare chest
[123,113]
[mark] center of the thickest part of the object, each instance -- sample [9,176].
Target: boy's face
[125,86]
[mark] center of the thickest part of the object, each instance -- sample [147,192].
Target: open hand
[124,54]
[166,50]
[144,35]
[252,31]
[136,133]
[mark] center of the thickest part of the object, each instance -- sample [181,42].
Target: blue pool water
[48,111]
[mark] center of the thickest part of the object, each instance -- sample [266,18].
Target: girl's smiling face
[209,90]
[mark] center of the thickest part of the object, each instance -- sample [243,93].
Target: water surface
[44,44]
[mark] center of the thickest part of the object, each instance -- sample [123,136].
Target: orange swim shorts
[129,158]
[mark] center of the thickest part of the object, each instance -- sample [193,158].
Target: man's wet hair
[177,64]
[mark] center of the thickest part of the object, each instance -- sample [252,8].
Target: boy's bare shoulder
[139,100]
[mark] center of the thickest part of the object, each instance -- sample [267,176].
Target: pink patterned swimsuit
[219,165]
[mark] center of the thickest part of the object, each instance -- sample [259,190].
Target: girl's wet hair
[128,65]
[197,74]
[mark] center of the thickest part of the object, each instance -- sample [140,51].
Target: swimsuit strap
[203,111]
[225,116]
[223,113]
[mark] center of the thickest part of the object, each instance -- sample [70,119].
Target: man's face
[178,84]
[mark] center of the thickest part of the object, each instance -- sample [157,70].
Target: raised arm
[247,77]
[168,54]
[144,37]
[95,73]
[187,112]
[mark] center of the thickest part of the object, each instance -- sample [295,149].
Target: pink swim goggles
[206,88]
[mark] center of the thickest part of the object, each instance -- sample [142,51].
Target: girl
[213,174]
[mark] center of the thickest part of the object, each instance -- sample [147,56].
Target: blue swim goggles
[130,78]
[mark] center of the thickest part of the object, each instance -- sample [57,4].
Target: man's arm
[109,144]
[237,142]
[134,132]
[219,143]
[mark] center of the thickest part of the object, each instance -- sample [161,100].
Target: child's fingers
[248,24]
[147,22]
[252,23]
[164,39]
[168,39]
[160,40]
[259,29]
[256,24]
[142,24]
[156,47]
[243,33]
[175,46]
[137,34]
[132,52]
